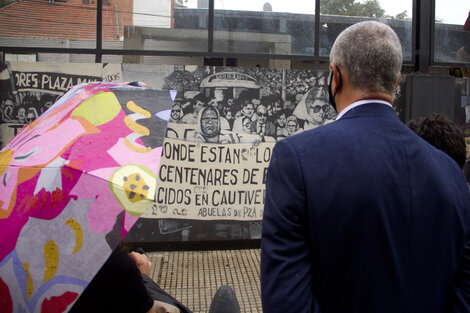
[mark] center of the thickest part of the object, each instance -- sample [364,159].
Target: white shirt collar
[358,103]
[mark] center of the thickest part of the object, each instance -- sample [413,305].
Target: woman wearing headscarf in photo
[292,126]
[176,113]
[314,109]
[208,127]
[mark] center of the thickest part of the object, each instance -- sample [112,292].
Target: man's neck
[351,96]
[359,103]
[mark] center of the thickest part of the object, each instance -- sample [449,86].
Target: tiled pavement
[193,277]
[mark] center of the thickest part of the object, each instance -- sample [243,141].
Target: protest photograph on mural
[223,126]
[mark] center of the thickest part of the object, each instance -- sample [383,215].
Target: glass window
[338,15]
[163,25]
[274,27]
[50,24]
[452,31]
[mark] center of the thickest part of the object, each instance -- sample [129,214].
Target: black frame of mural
[422,56]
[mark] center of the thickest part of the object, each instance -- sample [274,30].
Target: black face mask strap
[330,92]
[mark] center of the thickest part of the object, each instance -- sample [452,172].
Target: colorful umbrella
[72,184]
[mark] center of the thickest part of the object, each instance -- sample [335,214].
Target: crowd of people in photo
[25,107]
[222,118]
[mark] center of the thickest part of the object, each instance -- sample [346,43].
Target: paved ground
[193,277]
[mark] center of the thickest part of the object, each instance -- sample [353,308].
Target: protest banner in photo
[211,182]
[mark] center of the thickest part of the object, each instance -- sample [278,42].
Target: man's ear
[332,67]
[336,82]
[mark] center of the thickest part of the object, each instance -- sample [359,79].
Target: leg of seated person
[161,296]
[224,300]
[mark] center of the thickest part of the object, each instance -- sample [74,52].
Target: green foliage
[368,8]
[401,16]
[336,7]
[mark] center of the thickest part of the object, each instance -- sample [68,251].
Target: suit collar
[360,103]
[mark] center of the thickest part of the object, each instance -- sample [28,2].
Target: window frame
[422,54]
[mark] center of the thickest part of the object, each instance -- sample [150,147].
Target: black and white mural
[222,129]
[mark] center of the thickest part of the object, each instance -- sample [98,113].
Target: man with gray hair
[361,215]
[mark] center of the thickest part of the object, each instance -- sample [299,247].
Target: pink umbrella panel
[72,184]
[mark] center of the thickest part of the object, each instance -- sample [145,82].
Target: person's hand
[163,307]
[157,308]
[160,309]
[142,262]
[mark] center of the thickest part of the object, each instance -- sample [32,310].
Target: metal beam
[99,30]
[423,12]
[210,32]
[317,33]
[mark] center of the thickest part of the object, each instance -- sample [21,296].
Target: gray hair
[370,52]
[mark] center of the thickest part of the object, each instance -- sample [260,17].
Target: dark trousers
[159,294]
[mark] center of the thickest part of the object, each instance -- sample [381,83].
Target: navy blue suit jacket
[362,215]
